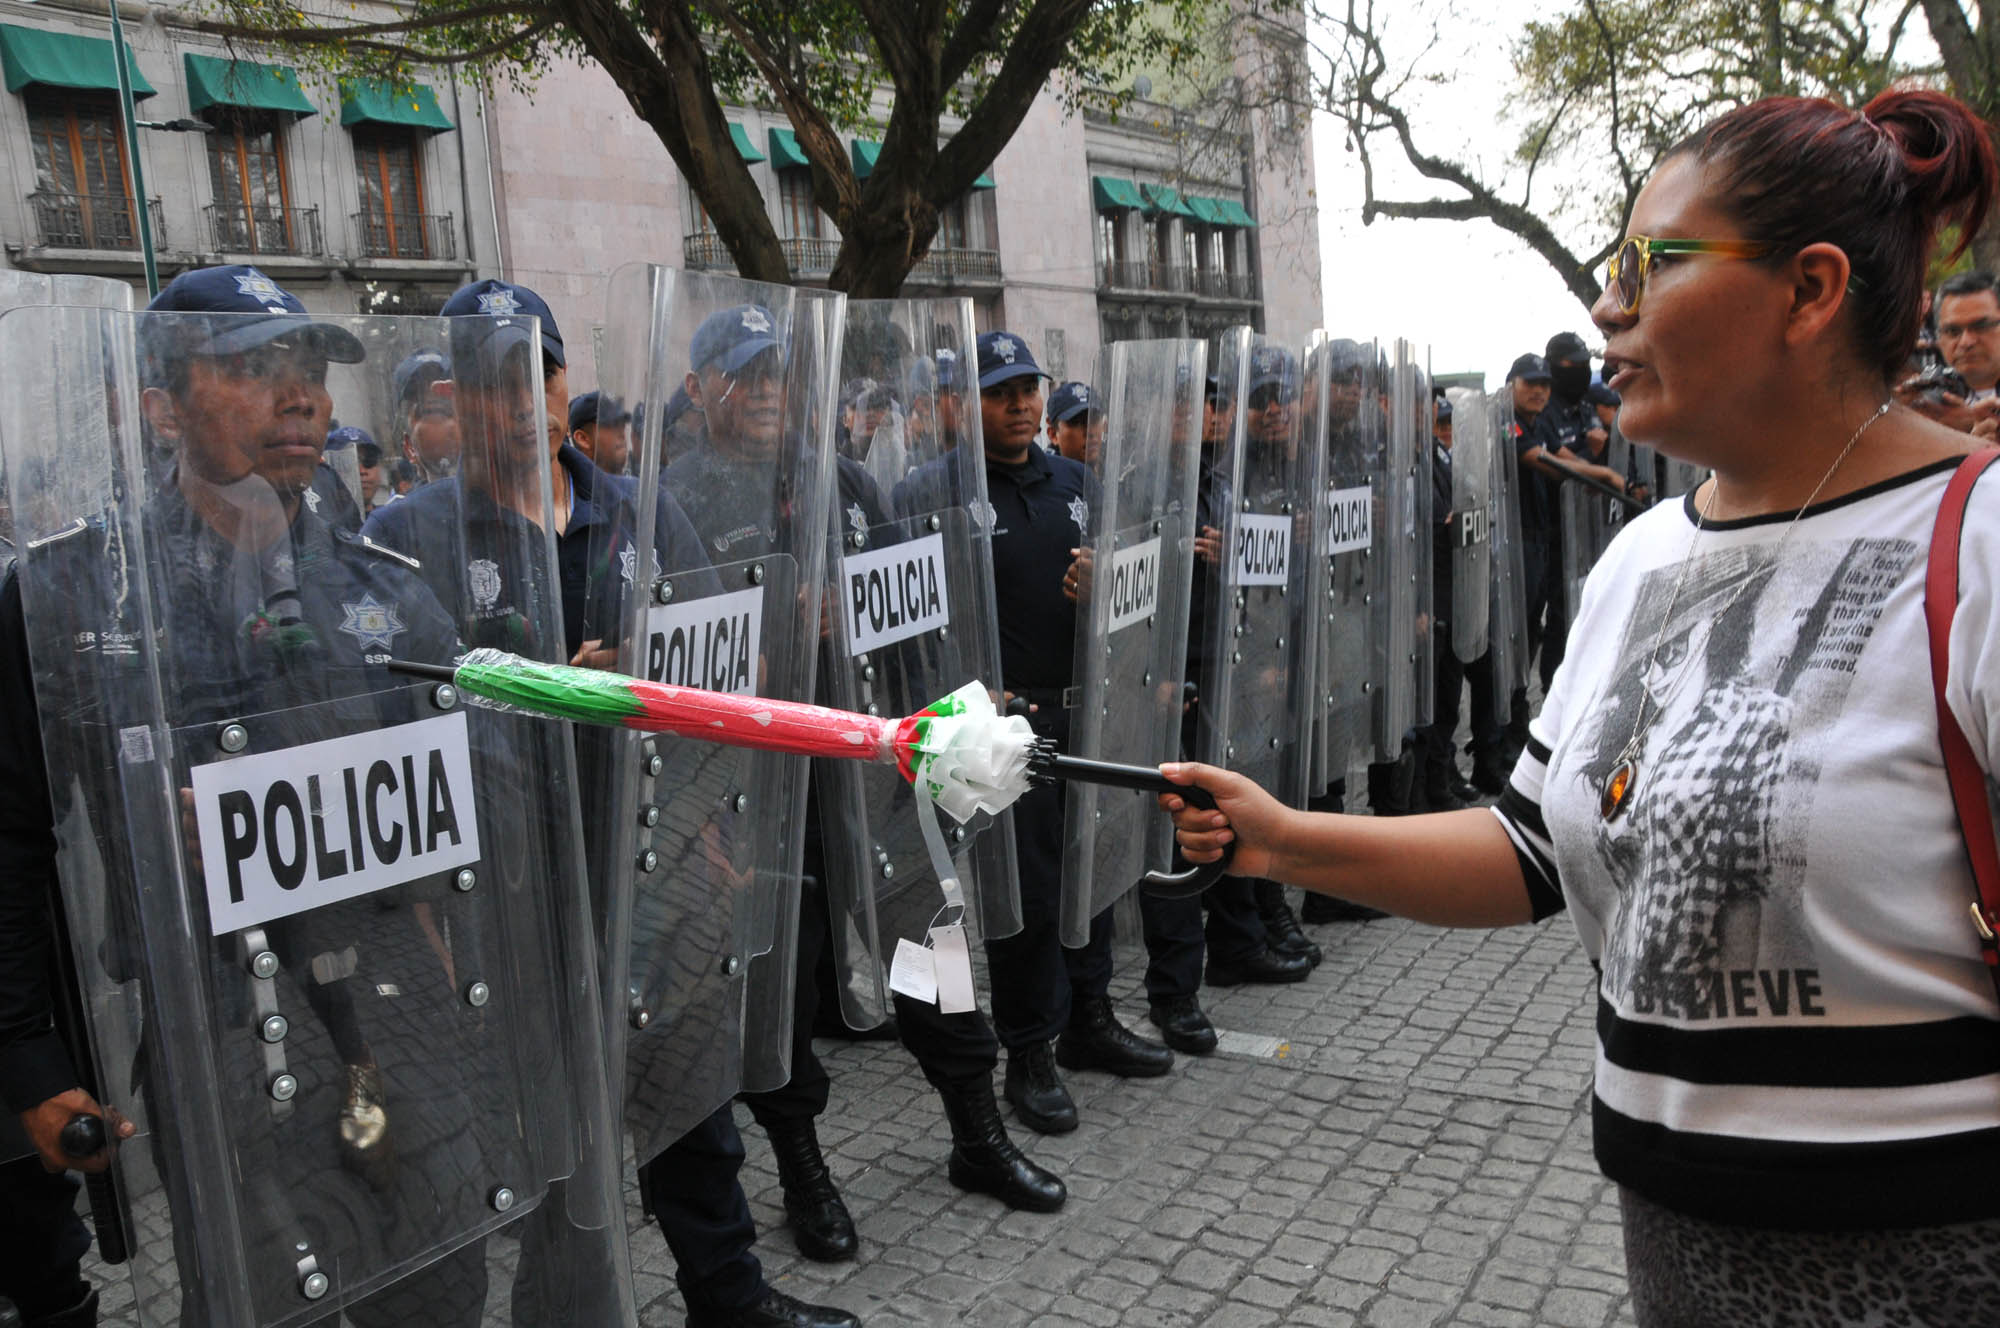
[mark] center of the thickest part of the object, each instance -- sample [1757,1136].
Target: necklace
[1617,791]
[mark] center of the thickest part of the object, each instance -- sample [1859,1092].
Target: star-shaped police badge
[499,302]
[311,497]
[857,519]
[1004,348]
[372,623]
[628,563]
[260,287]
[1079,512]
[756,320]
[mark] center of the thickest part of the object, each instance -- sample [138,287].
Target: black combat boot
[1281,925]
[1183,1025]
[819,1220]
[1097,1041]
[985,1161]
[773,1309]
[1037,1091]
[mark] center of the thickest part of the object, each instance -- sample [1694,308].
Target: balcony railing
[951,267]
[236,229]
[406,235]
[91,221]
[1126,276]
[809,256]
[1172,277]
[1227,285]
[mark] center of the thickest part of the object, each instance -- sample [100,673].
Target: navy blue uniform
[1040,511]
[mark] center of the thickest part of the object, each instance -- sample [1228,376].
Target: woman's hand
[1254,820]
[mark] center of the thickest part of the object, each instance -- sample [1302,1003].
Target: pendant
[1617,789]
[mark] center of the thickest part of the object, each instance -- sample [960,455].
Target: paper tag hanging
[913,972]
[952,967]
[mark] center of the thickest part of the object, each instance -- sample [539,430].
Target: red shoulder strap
[1962,768]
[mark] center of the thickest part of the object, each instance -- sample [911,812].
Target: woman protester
[1735,785]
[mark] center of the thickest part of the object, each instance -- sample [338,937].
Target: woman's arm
[1452,869]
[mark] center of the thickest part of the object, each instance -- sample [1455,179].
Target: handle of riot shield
[435,672]
[84,1135]
[1046,763]
[1575,476]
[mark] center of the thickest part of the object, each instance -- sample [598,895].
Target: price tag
[913,973]
[952,966]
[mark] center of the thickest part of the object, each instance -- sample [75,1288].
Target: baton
[1592,482]
[85,1135]
[1045,765]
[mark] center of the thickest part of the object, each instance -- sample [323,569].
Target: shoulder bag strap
[1962,768]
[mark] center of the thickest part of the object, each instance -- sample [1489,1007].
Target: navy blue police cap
[730,338]
[242,290]
[1071,400]
[1002,356]
[509,303]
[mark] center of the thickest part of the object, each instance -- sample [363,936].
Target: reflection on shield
[329,928]
[1471,522]
[1132,617]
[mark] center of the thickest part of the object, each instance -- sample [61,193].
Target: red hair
[1878,183]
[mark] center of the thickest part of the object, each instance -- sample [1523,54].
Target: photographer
[1960,392]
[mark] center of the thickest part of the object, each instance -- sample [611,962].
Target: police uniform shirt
[1040,511]
[731,502]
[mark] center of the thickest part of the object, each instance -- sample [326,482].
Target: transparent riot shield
[701,845]
[910,610]
[1471,524]
[1507,620]
[19,288]
[1679,477]
[1350,510]
[1137,558]
[1252,722]
[1412,412]
[329,927]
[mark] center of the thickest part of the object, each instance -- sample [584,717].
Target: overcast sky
[1474,294]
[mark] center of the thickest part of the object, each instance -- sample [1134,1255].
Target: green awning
[1162,199]
[1109,193]
[1233,214]
[786,154]
[1208,211]
[744,147]
[375,101]
[984,181]
[33,58]
[217,82]
[866,150]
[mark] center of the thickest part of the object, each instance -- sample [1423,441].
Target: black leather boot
[774,1309]
[1097,1041]
[1183,1025]
[985,1161]
[818,1219]
[1037,1091]
[1281,925]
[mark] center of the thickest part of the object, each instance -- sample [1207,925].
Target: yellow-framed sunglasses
[1631,263]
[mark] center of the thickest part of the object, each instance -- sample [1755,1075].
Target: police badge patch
[1079,512]
[482,578]
[371,622]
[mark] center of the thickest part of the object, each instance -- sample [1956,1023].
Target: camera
[1937,380]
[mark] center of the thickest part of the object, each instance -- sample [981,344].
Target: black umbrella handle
[1184,884]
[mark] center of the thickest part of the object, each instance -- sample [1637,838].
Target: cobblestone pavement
[1403,1140]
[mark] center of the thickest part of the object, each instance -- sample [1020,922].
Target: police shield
[1470,527]
[1255,678]
[328,925]
[1136,559]
[1410,441]
[910,612]
[699,846]
[1507,619]
[1350,425]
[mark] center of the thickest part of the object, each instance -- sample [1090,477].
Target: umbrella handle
[1161,885]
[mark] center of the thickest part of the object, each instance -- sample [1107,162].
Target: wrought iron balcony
[419,235]
[810,257]
[1227,285]
[1172,277]
[236,229]
[704,252]
[953,267]
[92,221]
[1125,276]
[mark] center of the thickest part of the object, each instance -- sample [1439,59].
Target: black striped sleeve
[1520,813]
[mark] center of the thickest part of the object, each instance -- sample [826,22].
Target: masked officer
[1042,991]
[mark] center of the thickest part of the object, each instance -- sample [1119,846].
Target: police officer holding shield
[1050,1004]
